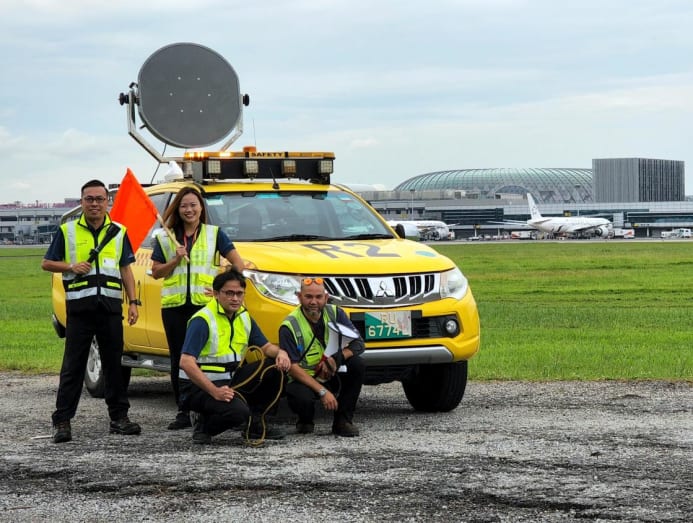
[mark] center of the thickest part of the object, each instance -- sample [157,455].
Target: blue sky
[395,88]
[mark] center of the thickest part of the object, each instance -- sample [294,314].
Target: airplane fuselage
[427,229]
[566,225]
[600,226]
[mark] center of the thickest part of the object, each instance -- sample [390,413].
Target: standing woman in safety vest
[94,256]
[188,270]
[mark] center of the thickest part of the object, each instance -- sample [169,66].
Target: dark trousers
[80,330]
[252,398]
[346,386]
[175,320]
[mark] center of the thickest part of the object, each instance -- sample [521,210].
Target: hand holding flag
[133,208]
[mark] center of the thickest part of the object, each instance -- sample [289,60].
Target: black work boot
[200,435]
[125,427]
[305,427]
[62,432]
[344,428]
[182,421]
[257,430]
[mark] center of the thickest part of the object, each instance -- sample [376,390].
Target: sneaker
[182,421]
[62,432]
[305,428]
[256,432]
[125,427]
[345,429]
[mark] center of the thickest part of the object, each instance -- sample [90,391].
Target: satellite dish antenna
[188,97]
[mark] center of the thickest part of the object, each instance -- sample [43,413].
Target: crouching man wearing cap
[323,366]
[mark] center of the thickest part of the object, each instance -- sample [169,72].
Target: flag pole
[170,234]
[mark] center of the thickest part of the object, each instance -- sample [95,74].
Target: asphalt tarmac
[512,451]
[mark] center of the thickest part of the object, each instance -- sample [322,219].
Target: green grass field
[581,310]
[549,311]
[27,339]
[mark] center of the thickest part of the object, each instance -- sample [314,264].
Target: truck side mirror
[399,229]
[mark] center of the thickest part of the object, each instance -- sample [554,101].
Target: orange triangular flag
[133,208]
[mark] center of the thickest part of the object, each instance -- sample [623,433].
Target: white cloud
[363,143]
[395,88]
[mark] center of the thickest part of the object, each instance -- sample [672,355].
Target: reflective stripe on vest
[201,270]
[220,349]
[104,277]
[303,334]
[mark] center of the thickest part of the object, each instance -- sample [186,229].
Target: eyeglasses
[94,199]
[232,294]
[308,281]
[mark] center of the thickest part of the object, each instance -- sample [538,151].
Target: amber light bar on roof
[251,164]
[248,153]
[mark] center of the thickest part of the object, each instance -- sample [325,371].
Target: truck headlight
[453,284]
[275,286]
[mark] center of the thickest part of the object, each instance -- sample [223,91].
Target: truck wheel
[93,377]
[436,388]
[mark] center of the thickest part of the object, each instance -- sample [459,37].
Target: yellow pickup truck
[413,306]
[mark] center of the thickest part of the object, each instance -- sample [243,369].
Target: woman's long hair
[172,217]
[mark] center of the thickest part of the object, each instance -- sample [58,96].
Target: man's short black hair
[230,274]
[94,183]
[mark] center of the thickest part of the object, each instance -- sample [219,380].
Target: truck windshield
[294,216]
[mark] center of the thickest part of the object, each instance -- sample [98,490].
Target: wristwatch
[136,302]
[322,392]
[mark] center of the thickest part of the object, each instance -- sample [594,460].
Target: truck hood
[389,256]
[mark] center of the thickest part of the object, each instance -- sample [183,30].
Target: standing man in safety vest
[305,336]
[94,256]
[223,394]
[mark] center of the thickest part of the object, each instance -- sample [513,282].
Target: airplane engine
[602,231]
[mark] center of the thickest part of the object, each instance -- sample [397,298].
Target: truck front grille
[379,291]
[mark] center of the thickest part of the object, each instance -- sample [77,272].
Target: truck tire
[436,388]
[93,377]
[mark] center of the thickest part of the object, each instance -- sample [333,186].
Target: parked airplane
[411,231]
[565,224]
[427,229]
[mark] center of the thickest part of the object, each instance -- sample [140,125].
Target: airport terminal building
[644,194]
[475,201]
[31,224]
[638,180]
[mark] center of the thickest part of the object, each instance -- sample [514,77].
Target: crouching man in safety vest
[313,375]
[221,393]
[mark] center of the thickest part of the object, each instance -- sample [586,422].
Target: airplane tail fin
[533,209]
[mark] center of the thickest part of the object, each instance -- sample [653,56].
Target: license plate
[388,325]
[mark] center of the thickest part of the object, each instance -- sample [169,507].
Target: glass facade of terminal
[546,185]
[638,180]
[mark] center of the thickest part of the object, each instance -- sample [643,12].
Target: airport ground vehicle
[619,232]
[413,306]
[677,233]
[522,235]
